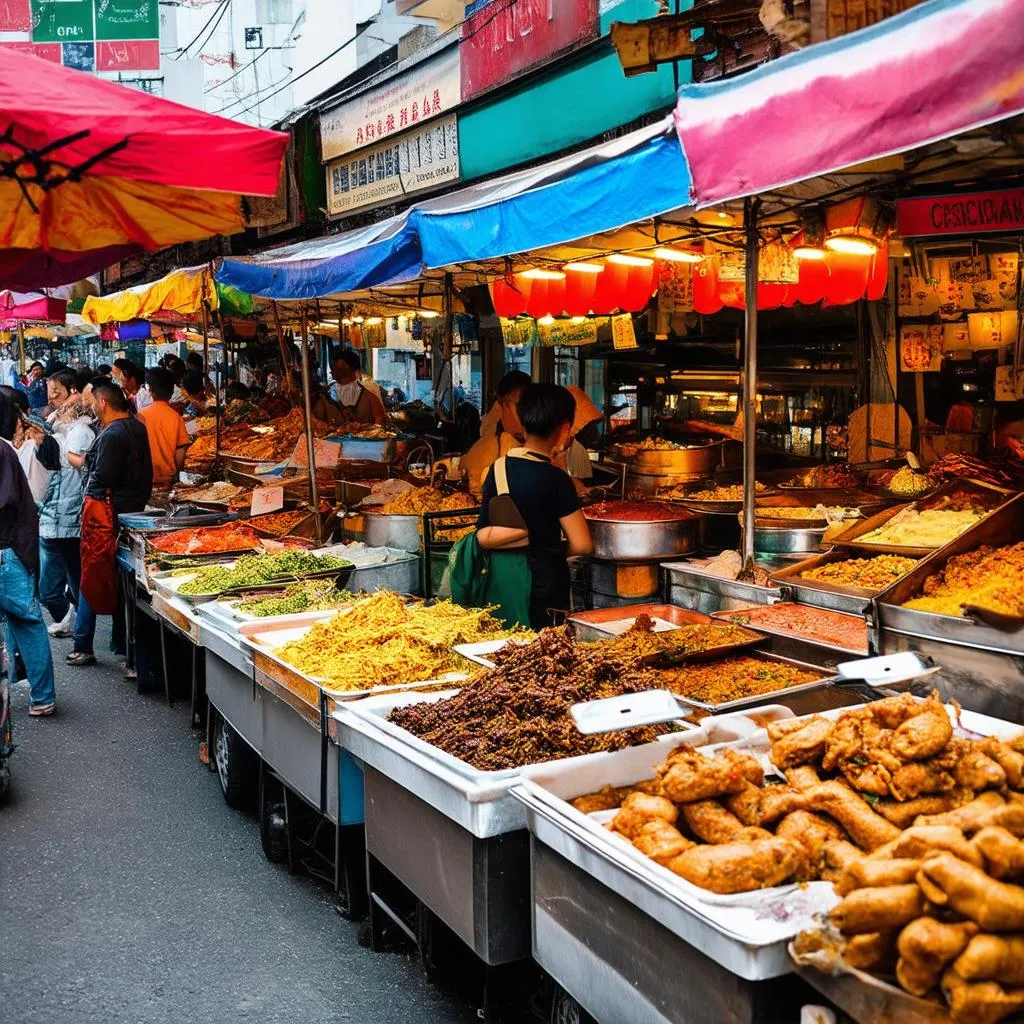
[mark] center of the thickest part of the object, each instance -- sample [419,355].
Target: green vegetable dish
[310,596]
[254,570]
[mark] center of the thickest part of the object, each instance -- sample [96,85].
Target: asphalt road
[130,892]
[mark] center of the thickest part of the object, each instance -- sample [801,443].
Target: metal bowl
[636,541]
[390,531]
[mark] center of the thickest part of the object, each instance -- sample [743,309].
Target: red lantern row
[838,280]
[616,287]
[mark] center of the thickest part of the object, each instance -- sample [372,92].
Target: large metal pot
[635,541]
[697,459]
[388,531]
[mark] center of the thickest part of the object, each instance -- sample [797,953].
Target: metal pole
[206,373]
[307,389]
[21,346]
[751,208]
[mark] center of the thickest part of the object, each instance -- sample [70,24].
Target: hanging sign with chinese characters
[425,91]
[411,162]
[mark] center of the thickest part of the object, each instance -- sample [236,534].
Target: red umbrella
[92,172]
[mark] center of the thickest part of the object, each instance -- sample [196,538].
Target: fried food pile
[208,540]
[732,492]
[852,786]
[427,499]
[834,475]
[873,574]
[384,641]
[990,578]
[518,713]
[806,513]
[640,640]
[268,442]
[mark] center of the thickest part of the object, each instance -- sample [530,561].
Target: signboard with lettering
[423,92]
[407,163]
[967,214]
[87,35]
[501,42]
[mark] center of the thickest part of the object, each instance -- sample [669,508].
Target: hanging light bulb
[807,245]
[540,274]
[428,314]
[375,320]
[546,321]
[857,226]
[678,255]
[852,245]
[357,319]
[627,259]
[582,267]
[808,252]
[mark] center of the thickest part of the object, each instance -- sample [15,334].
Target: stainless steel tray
[812,641]
[851,600]
[1004,526]
[700,591]
[786,540]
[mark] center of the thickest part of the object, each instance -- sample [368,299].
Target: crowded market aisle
[132,892]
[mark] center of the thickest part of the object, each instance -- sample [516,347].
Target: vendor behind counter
[500,431]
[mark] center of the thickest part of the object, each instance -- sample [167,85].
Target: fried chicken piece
[1010,760]
[710,821]
[867,829]
[892,712]
[746,804]
[988,809]
[638,809]
[870,778]
[848,739]
[1003,853]
[660,841]
[812,832]
[870,951]
[741,866]
[839,854]
[803,776]
[688,775]
[903,814]
[993,958]
[976,770]
[804,746]
[1016,742]
[979,1002]
[994,906]
[925,734]
[918,778]
[606,799]
[925,947]
[650,786]
[921,841]
[872,874]
[884,909]
[784,726]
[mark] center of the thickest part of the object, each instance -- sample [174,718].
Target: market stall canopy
[941,68]
[177,298]
[92,172]
[635,178]
[16,306]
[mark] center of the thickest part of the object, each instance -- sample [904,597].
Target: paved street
[130,892]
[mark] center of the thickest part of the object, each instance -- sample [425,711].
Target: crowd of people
[81,447]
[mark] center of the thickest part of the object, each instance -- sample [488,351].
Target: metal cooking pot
[701,459]
[636,541]
[389,531]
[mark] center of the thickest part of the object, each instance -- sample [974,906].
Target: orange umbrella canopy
[92,172]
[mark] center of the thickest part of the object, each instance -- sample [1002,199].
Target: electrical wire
[216,25]
[182,50]
[221,85]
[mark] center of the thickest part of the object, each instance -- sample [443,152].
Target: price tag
[266,499]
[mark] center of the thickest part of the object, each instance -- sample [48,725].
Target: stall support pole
[307,396]
[751,207]
[21,346]
[287,385]
[206,373]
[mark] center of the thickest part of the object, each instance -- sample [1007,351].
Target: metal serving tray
[1003,526]
[771,630]
[851,600]
[689,587]
[600,624]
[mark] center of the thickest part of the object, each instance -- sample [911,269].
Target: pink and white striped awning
[941,68]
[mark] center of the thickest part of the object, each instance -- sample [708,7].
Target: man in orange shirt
[168,438]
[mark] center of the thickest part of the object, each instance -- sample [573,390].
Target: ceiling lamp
[626,259]
[357,319]
[428,314]
[808,252]
[584,268]
[539,274]
[346,321]
[546,321]
[809,243]
[375,320]
[678,255]
[856,227]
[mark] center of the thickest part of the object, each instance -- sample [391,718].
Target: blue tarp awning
[639,176]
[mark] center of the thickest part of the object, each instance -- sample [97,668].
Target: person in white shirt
[131,379]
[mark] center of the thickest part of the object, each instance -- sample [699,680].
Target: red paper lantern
[771,296]
[733,294]
[848,277]
[580,289]
[509,300]
[878,275]
[813,282]
[705,288]
[546,298]
[640,286]
[611,286]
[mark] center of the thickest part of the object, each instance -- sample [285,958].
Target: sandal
[81,658]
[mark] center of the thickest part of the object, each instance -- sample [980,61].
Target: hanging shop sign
[623,333]
[527,331]
[424,91]
[501,43]
[412,162]
[961,214]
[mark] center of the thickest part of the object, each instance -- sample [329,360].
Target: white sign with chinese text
[410,162]
[425,91]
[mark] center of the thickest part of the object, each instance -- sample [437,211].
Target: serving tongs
[867,677]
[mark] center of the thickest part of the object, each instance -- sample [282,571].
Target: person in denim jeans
[19,566]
